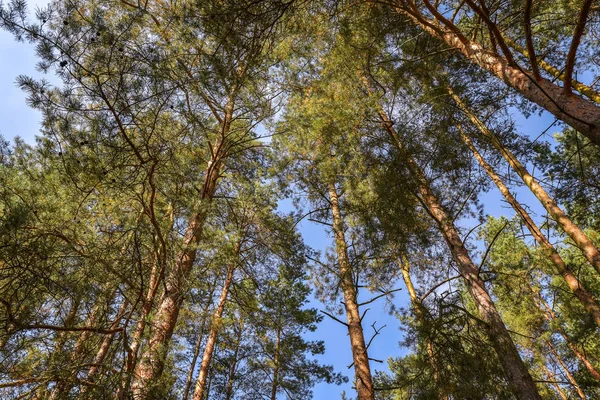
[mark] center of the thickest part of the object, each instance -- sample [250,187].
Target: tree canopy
[153,238]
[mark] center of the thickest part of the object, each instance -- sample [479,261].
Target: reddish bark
[151,364]
[577,287]
[577,235]
[518,377]
[211,341]
[364,381]
[576,111]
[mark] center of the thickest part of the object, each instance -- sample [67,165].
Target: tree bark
[554,72]
[570,377]
[136,341]
[576,111]
[188,383]
[419,313]
[103,350]
[364,381]
[274,387]
[60,341]
[577,287]
[65,386]
[151,365]
[215,327]
[550,317]
[234,361]
[517,375]
[577,235]
[552,378]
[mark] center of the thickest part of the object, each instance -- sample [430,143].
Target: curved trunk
[570,278]
[364,381]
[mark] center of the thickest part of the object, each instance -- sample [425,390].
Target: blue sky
[16,119]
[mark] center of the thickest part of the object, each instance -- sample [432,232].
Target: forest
[214,184]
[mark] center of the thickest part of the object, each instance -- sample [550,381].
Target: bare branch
[529,40]
[583,15]
[378,297]
[334,318]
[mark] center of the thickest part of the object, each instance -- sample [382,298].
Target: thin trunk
[151,365]
[209,385]
[419,312]
[274,387]
[551,317]
[570,377]
[4,338]
[577,235]
[516,372]
[188,383]
[234,362]
[105,346]
[215,327]
[580,113]
[136,340]
[364,381]
[570,278]
[65,386]
[552,379]
[103,350]
[61,340]
[529,40]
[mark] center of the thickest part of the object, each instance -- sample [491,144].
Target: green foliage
[285,100]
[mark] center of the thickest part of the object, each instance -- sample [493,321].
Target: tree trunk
[552,379]
[4,338]
[570,278]
[517,375]
[581,240]
[136,340]
[66,386]
[554,72]
[188,383]
[60,341]
[551,317]
[234,362]
[103,350]
[364,381]
[152,363]
[214,331]
[570,377]
[274,387]
[580,113]
[419,313]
